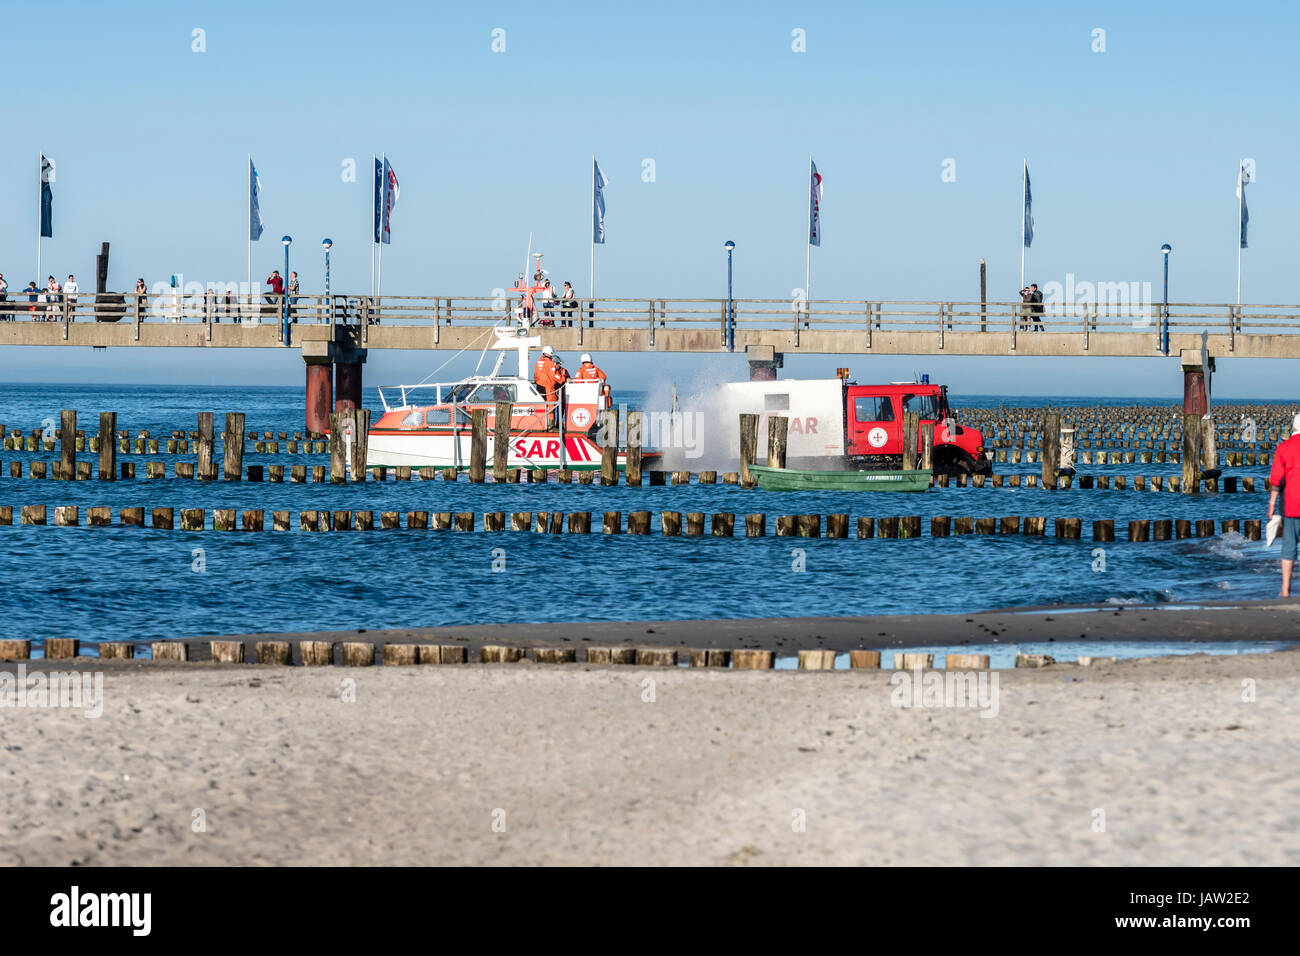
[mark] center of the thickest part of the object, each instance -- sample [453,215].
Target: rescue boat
[429,424]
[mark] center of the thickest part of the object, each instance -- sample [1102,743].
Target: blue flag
[1028,228]
[47,198]
[254,203]
[379,194]
[598,184]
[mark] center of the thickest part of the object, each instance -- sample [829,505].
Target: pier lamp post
[288,241]
[1164,319]
[731,309]
[327,245]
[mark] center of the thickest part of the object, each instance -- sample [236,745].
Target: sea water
[137,583]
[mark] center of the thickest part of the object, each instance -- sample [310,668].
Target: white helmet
[548,351]
[586,357]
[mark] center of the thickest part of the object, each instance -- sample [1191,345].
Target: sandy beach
[1132,763]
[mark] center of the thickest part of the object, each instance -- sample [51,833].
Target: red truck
[835,423]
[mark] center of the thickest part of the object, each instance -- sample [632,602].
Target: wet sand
[1276,620]
[1135,763]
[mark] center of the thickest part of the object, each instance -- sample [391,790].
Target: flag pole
[374,213]
[591,273]
[250,229]
[40,211]
[1024,175]
[383,221]
[1240,204]
[807,266]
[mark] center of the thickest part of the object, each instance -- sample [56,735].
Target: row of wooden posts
[671,523]
[298,474]
[363,654]
[356,426]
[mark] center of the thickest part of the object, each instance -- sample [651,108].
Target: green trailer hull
[790,479]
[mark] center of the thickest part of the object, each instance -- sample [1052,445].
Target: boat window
[776,403]
[924,404]
[413,419]
[494,393]
[458,394]
[438,416]
[873,408]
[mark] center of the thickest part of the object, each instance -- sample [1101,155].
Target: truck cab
[873,424]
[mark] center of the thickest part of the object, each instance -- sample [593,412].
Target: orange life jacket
[544,374]
[588,372]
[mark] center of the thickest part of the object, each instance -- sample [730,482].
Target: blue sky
[1128,149]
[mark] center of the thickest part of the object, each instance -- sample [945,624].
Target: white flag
[598,184]
[1246,176]
[254,203]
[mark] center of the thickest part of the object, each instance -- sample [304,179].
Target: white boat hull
[424,450]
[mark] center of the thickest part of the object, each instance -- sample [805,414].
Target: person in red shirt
[1285,478]
[276,282]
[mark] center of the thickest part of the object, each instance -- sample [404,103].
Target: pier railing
[867,316]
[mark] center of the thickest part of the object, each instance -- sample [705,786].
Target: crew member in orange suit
[561,378]
[588,372]
[549,375]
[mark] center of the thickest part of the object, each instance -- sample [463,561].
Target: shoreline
[1273,620]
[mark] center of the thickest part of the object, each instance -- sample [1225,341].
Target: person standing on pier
[1026,307]
[52,291]
[276,283]
[293,294]
[568,304]
[1036,298]
[33,296]
[1285,478]
[4,298]
[70,290]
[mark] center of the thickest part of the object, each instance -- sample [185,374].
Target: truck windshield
[927,406]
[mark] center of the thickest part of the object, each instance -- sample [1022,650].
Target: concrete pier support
[764,360]
[1195,366]
[347,384]
[320,394]
[333,377]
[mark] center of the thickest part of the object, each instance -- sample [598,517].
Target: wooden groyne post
[234,446]
[337,462]
[68,445]
[107,446]
[207,468]
[609,447]
[501,441]
[748,447]
[1191,453]
[911,430]
[1051,457]
[360,442]
[478,446]
[778,431]
[632,471]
